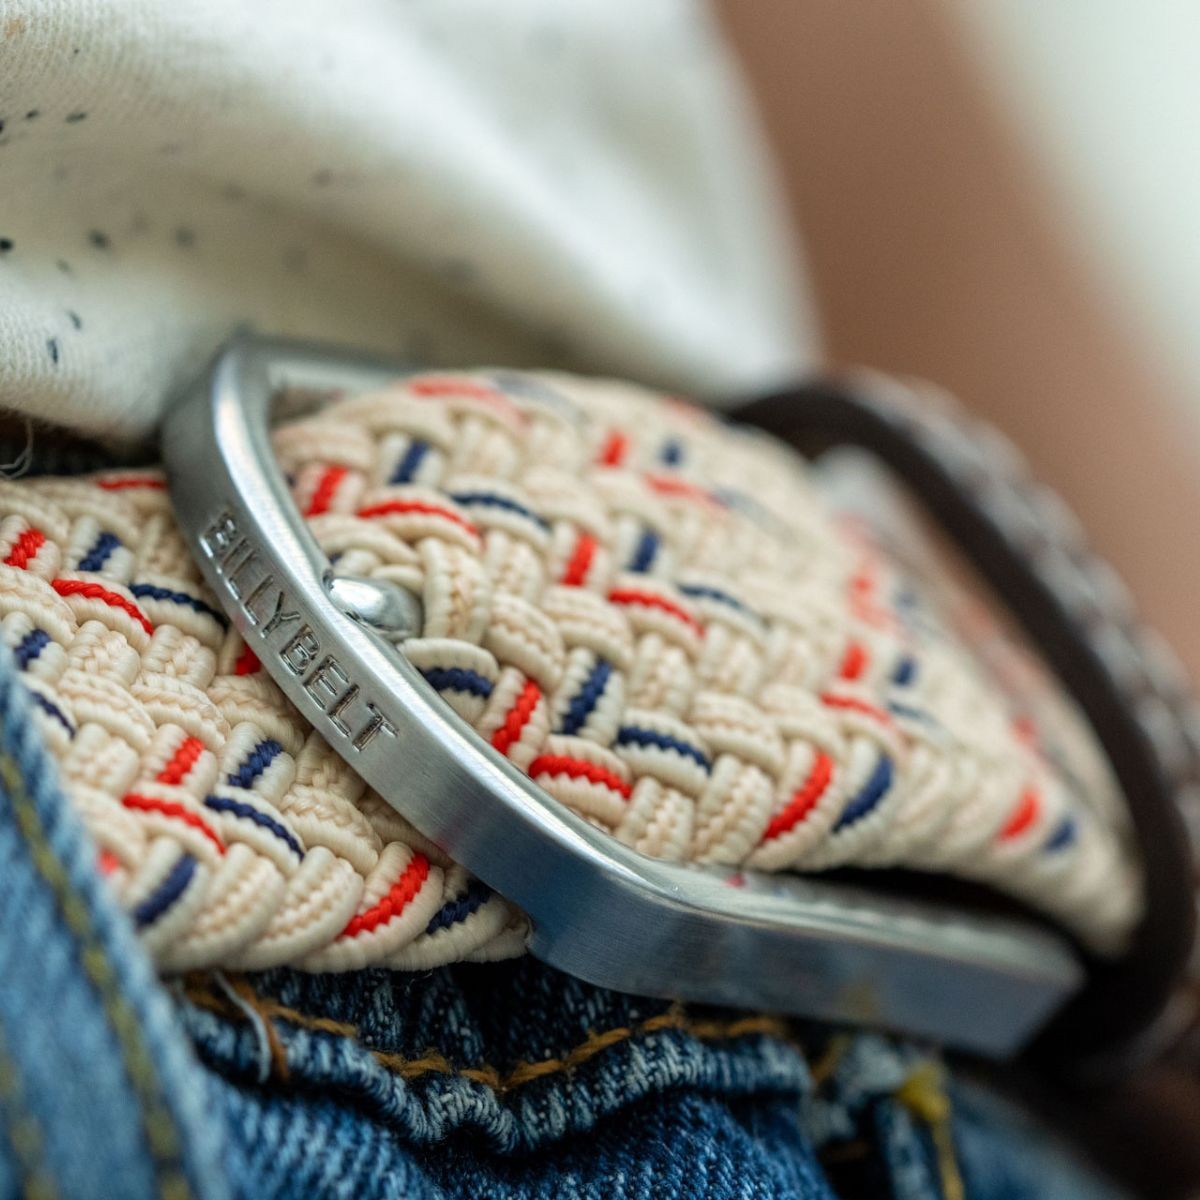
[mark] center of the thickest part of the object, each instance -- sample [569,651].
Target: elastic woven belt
[644,631]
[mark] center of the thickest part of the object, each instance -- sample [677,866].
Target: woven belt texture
[652,614]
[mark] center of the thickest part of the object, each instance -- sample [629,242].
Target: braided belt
[652,616]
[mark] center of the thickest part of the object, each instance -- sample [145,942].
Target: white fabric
[533,183]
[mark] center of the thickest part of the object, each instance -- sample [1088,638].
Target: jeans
[491,1082]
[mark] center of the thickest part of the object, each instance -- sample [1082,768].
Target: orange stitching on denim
[278,1052]
[923,1093]
[24,1132]
[434,1063]
[822,1070]
[161,1134]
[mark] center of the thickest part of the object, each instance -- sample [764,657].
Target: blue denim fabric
[999,1153]
[473,1083]
[100,1094]
[654,1113]
[1006,1156]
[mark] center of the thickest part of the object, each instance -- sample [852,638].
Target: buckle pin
[391,611]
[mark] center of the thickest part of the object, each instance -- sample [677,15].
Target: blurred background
[1005,198]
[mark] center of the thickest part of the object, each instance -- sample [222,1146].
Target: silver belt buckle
[597,909]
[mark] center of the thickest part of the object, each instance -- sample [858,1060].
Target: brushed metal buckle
[598,910]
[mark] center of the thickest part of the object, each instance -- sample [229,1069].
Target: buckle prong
[390,610]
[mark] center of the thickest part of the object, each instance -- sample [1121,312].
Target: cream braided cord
[652,615]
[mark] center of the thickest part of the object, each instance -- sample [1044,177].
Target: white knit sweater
[532,183]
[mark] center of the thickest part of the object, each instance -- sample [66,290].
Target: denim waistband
[504,1082]
[516,1081]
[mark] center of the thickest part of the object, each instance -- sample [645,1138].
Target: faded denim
[499,1082]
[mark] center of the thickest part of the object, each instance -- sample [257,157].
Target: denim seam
[161,1133]
[924,1094]
[24,1131]
[434,1063]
